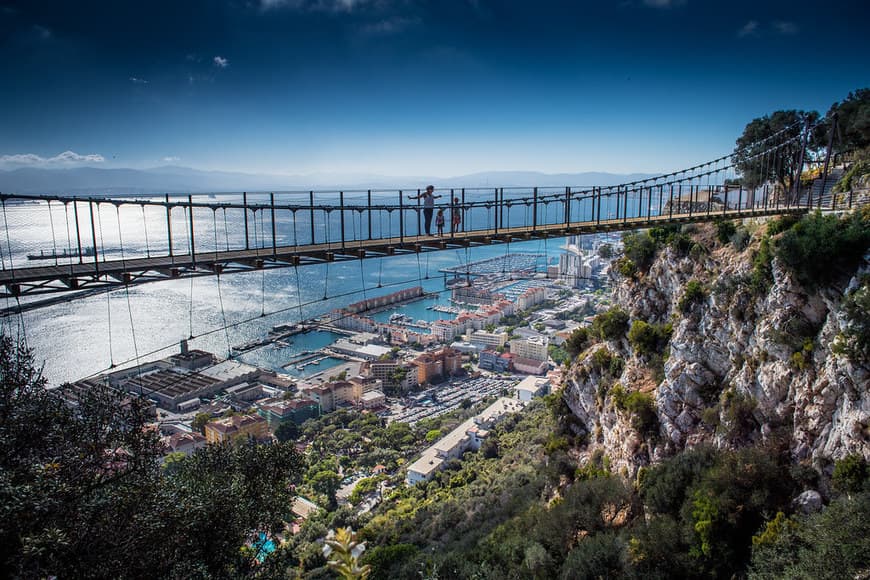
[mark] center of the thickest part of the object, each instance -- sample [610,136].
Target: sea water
[93,334]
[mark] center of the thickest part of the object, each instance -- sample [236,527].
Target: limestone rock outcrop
[741,366]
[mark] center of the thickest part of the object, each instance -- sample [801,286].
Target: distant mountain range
[172,179]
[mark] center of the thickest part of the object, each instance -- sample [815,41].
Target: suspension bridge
[67,244]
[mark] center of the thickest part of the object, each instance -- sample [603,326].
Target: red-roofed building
[185,443]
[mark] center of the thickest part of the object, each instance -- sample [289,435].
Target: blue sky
[405,87]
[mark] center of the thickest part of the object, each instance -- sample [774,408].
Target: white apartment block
[534,348]
[470,434]
[494,339]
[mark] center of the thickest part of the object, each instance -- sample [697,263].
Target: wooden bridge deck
[72,277]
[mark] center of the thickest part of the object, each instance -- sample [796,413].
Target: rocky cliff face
[742,365]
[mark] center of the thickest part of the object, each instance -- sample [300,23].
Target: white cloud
[73,157]
[171,159]
[221,62]
[748,29]
[22,159]
[785,27]
[62,159]
[138,81]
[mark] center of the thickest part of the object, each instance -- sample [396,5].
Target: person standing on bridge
[455,216]
[429,198]
[439,222]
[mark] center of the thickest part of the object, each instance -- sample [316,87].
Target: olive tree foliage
[853,121]
[70,479]
[781,166]
[83,493]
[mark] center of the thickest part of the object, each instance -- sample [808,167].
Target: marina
[405,320]
[446,309]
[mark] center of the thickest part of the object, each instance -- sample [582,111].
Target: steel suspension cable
[22,328]
[108,289]
[223,312]
[190,303]
[53,239]
[68,237]
[127,291]
[226,231]
[145,228]
[326,278]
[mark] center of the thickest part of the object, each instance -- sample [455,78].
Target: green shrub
[616,366]
[833,543]
[384,560]
[801,359]
[555,443]
[598,556]
[601,359]
[610,325]
[648,339]
[626,267]
[796,332]
[851,474]
[640,248]
[710,416]
[781,224]
[820,247]
[665,487]
[857,170]
[558,354]
[643,413]
[738,414]
[762,271]
[617,394]
[681,244]
[694,293]
[674,236]
[664,235]
[641,407]
[577,342]
[855,341]
[725,229]
[740,238]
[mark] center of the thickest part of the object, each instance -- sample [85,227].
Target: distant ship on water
[42,255]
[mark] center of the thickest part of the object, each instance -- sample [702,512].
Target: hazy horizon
[36,180]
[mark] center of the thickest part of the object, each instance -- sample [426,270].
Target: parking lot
[446,397]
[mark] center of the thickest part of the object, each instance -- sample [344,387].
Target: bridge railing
[59,230]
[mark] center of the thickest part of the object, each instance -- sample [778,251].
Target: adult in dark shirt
[428,196]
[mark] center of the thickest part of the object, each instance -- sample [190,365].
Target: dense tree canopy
[782,166]
[853,120]
[83,493]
